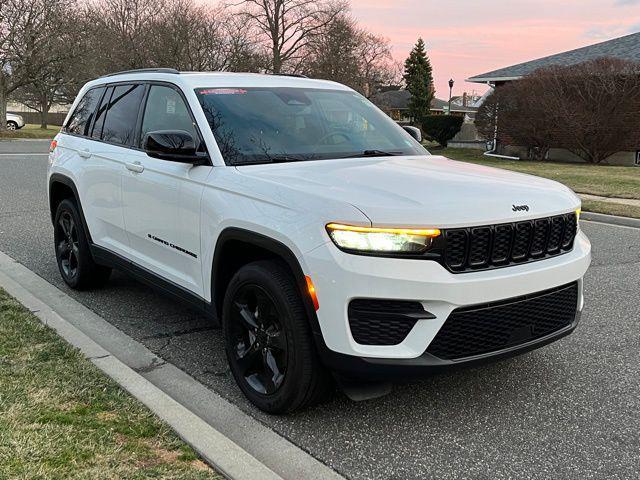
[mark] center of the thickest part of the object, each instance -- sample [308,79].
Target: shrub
[441,128]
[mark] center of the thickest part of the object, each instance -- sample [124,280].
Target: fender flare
[280,250]
[68,182]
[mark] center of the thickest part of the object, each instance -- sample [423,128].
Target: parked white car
[319,234]
[14,122]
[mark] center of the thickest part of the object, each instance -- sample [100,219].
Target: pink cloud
[468,37]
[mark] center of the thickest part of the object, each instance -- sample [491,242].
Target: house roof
[392,99]
[399,100]
[624,48]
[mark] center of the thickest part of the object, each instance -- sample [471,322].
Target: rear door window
[122,114]
[82,116]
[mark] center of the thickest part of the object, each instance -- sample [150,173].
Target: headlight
[372,239]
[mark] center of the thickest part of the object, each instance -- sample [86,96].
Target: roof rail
[297,75]
[144,70]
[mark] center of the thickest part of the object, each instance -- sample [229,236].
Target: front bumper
[340,277]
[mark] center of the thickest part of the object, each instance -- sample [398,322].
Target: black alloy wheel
[269,342]
[260,342]
[67,246]
[73,254]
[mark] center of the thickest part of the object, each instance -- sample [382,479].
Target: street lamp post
[450,92]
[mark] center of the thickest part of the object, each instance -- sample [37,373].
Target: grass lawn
[604,180]
[32,131]
[61,417]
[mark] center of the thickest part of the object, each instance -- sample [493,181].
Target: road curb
[199,416]
[612,219]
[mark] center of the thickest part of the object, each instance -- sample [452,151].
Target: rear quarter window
[81,118]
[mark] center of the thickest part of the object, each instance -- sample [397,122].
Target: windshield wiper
[374,153]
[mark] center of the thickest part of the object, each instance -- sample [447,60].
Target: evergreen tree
[418,78]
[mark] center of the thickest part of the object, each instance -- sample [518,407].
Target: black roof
[624,48]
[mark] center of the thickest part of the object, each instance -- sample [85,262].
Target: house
[622,48]
[395,103]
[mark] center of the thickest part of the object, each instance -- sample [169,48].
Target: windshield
[267,125]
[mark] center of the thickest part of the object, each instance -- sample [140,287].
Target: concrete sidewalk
[622,201]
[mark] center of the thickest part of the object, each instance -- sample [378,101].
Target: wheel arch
[236,247]
[62,187]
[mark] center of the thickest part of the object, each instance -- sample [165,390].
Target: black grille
[482,248]
[480,329]
[383,322]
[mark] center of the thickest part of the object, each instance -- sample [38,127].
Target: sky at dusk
[469,37]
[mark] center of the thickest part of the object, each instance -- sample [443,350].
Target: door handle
[84,153]
[136,167]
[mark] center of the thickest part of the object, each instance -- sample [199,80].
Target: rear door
[105,154]
[161,198]
[98,178]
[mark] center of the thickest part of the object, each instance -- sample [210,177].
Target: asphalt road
[569,410]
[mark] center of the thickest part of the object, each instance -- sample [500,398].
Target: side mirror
[173,145]
[414,132]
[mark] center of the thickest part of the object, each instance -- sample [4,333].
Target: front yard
[61,417]
[31,131]
[602,180]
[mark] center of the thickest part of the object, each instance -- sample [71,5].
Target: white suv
[316,231]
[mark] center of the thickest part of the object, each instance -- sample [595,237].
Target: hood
[423,191]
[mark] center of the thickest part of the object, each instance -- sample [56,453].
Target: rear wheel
[73,255]
[269,343]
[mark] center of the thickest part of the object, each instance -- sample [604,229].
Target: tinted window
[260,125]
[165,110]
[83,114]
[100,114]
[122,114]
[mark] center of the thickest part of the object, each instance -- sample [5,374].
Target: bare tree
[28,34]
[376,64]
[348,54]
[332,53]
[122,34]
[288,25]
[596,107]
[53,72]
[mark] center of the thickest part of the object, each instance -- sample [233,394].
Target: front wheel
[12,126]
[269,342]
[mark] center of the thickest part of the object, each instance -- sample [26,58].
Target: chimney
[464,99]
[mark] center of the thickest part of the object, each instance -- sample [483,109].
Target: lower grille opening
[481,329]
[383,322]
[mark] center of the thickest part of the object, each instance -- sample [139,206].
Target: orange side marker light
[312,292]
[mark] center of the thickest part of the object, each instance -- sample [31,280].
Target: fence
[34,117]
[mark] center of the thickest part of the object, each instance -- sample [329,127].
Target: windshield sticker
[222,91]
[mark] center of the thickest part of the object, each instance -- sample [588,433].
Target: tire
[73,255]
[12,125]
[277,368]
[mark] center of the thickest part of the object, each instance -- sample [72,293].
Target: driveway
[569,410]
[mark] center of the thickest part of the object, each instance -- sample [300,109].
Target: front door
[161,199]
